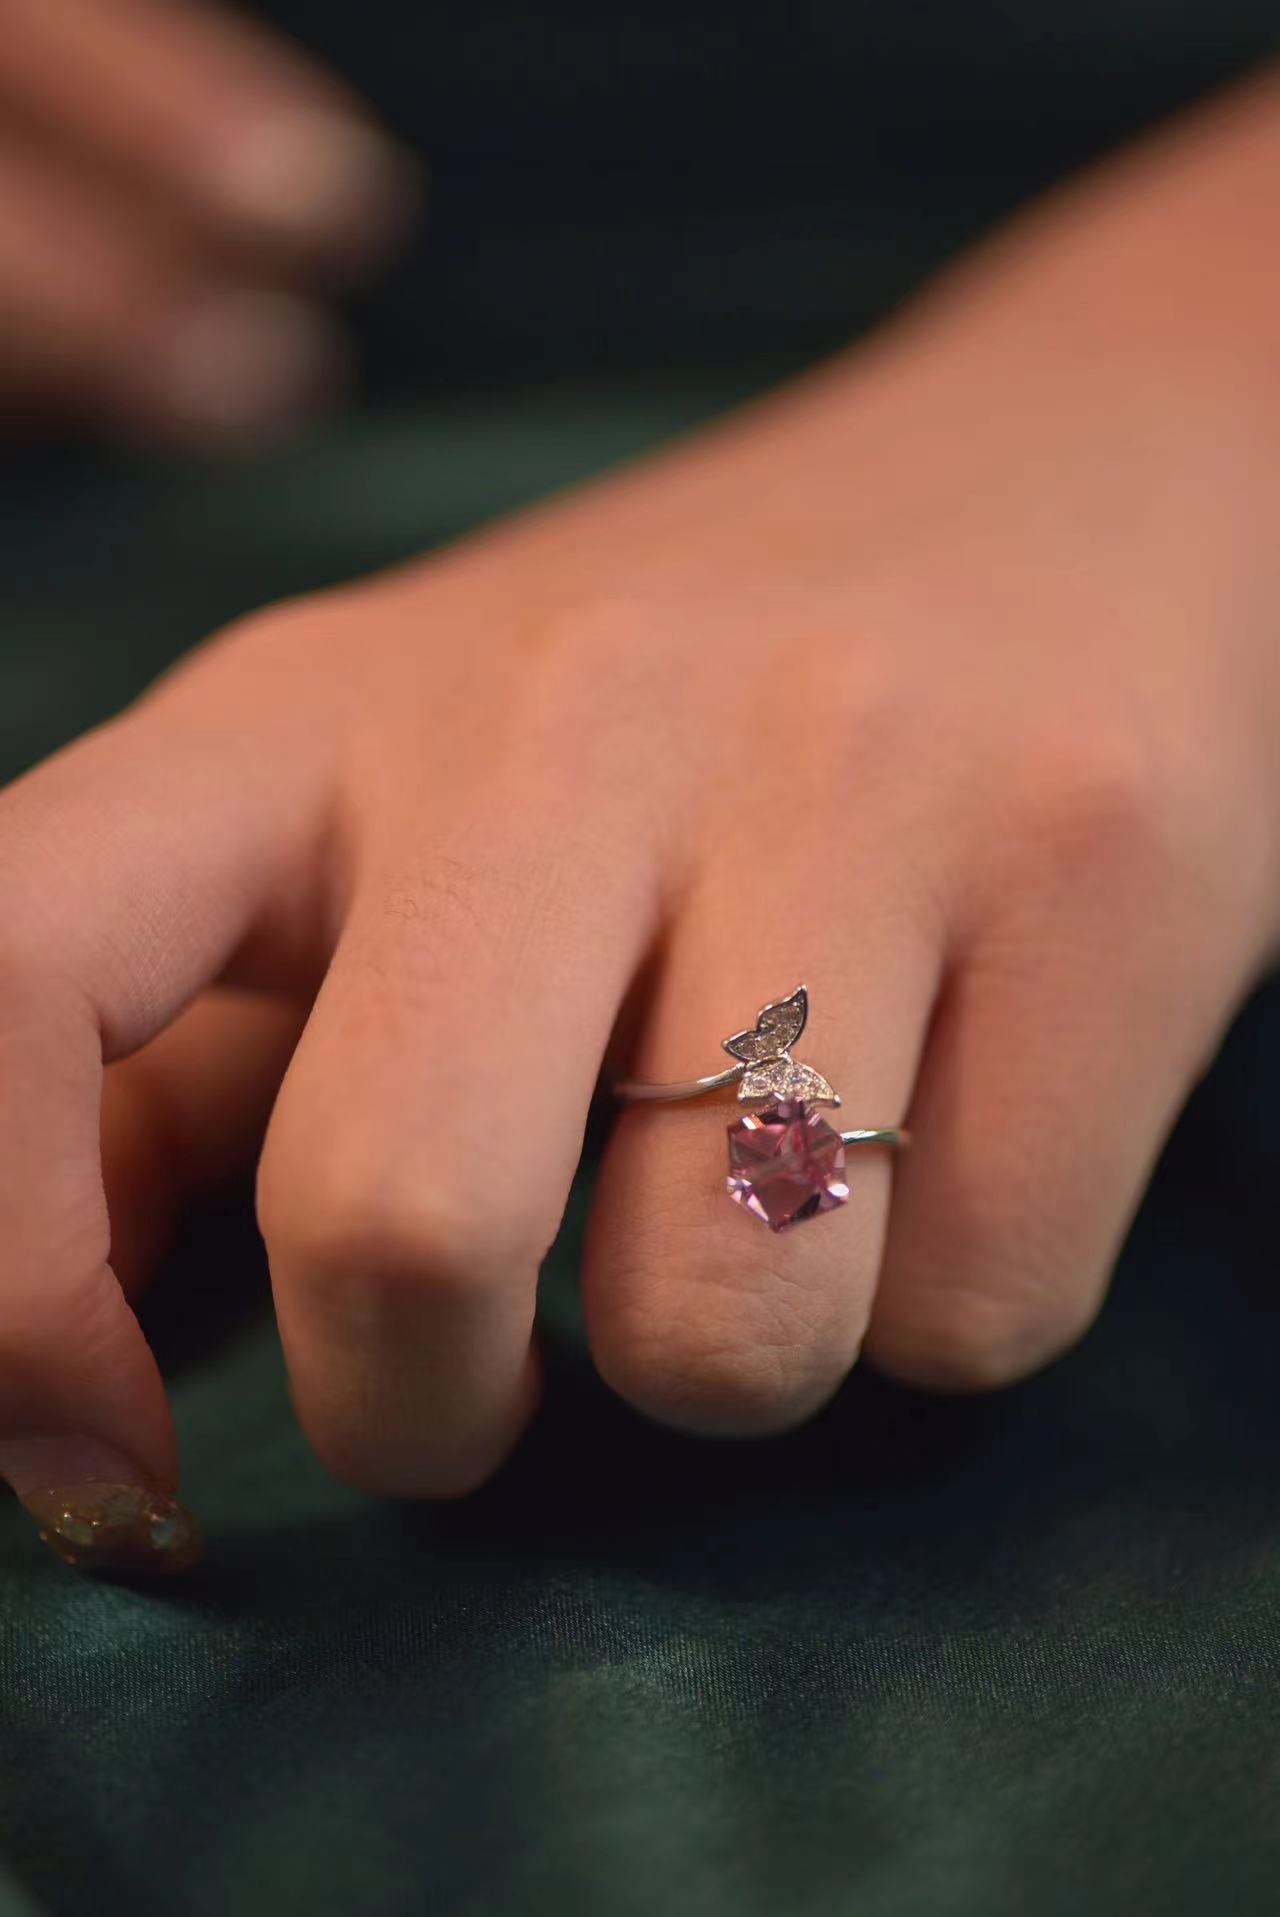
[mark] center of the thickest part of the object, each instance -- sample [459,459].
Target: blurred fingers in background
[180,196]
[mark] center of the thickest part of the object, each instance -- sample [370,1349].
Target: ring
[786,1163]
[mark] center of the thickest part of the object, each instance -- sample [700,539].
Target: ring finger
[697,1313]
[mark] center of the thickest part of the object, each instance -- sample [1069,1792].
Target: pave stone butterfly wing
[766,1052]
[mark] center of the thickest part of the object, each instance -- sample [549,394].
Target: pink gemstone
[786,1164]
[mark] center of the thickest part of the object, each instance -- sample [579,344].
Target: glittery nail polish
[124,1529]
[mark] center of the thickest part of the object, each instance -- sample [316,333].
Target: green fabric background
[918,1660]
[963,1659]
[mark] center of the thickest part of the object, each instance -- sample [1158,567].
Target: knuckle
[282,633]
[747,1375]
[607,665]
[364,1241]
[1111,805]
[352,1443]
[728,1389]
[877,716]
[439,904]
[284,647]
[572,636]
[348,1448]
[963,1335]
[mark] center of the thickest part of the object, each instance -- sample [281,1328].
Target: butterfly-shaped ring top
[786,1163]
[765,1050]
[763,1067]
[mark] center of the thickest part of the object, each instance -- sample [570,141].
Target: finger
[187,1114]
[1066,1042]
[131,869]
[110,314]
[209,110]
[419,1159]
[697,1313]
[81,1402]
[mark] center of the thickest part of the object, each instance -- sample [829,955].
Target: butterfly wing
[776,1029]
[786,1078]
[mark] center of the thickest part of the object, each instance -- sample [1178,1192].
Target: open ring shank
[633,1089]
[893,1135]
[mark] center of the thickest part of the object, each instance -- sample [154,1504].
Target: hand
[943,681]
[172,184]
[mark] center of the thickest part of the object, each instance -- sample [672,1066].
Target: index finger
[132,867]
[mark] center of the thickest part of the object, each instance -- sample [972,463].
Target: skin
[944,680]
[178,191]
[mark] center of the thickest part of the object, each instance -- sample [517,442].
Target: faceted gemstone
[786,1164]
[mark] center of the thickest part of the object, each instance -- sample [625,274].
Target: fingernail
[95,1510]
[320,180]
[248,367]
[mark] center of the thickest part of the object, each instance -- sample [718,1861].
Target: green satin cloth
[969,1659]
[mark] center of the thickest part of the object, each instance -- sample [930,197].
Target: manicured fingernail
[246,367]
[319,180]
[95,1512]
[115,1527]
